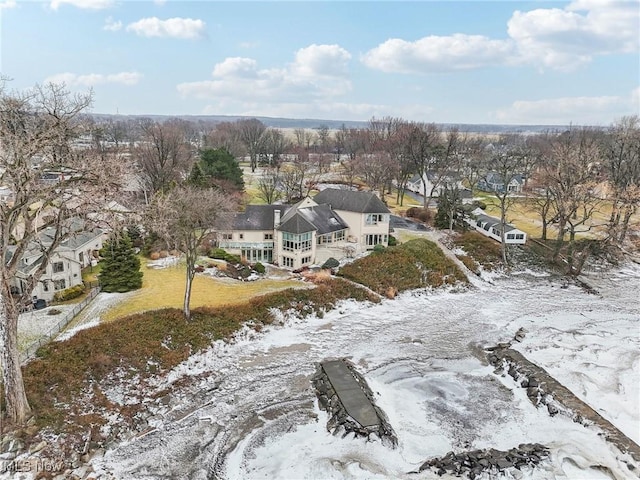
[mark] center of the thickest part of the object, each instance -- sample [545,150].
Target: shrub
[69,293]
[392,241]
[482,250]
[331,263]
[378,248]
[422,214]
[414,264]
[259,267]
[154,256]
[220,254]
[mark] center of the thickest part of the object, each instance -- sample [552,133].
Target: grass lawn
[164,288]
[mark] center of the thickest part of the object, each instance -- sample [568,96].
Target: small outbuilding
[492,227]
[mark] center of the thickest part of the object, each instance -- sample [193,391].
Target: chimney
[276,218]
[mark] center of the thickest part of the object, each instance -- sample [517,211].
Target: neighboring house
[65,265]
[491,227]
[335,223]
[493,182]
[416,185]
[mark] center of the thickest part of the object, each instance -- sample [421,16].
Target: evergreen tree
[450,209]
[216,167]
[120,266]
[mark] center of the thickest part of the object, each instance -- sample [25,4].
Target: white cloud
[88,4]
[568,38]
[556,38]
[187,28]
[237,67]
[111,25]
[7,4]
[331,60]
[438,53]
[317,72]
[566,110]
[92,79]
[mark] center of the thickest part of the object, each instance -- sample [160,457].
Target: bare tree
[297,178]
[184,217]
[620,148]
[38,128]
[304,138]
[503,166]
[420,141]
[445,161]
[377,170]
[225,135]
[164,156]
[569,172]
[275,144]
[323,138]
[250,132]
[269,185]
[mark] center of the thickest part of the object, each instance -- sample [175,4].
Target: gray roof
[350,201]
[323,218]
[493,222]
[258,217]
[297,224]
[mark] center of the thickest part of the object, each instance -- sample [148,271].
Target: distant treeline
[312,123]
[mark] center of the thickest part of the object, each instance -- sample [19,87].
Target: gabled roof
[297,224]
[350,201]
[258,217]
[495,178]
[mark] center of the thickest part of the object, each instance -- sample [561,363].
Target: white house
[335,223]
[432,179]
[64,269]
[491,227]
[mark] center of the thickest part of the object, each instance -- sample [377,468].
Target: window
[306,260]
[322,239]
[287,262]
[510,236]
[81,257]
[292,242]
[519,236]
[45,286]
[58,267]
[227,236]
[375,218]
[59,284]
[373,240]
[241,236]
[340,236]
[268,236]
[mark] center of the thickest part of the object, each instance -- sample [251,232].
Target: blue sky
[435,61]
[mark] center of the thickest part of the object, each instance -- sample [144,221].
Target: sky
[490,62]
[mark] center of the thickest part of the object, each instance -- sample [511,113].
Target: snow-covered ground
[256,416]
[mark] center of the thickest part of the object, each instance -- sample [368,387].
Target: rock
[36,448]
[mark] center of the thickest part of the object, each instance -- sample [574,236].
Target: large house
[492,227]
[64,269]
[335,223]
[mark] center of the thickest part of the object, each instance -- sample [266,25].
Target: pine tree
[120,266]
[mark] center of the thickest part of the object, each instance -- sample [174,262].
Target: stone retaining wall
[543,389]
[474,463]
